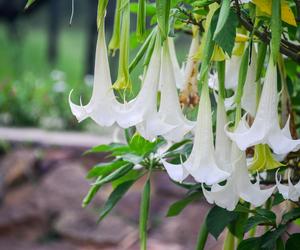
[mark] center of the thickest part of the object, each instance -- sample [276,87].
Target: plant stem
[202,236]
[229,243]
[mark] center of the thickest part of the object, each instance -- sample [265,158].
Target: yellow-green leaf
[287,14]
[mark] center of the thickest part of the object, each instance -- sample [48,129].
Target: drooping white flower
[201,163]
[231,80]
[237,186]
[223,143]
[169,121]
[177,70]
[265,128]
[290,191]
[103,107]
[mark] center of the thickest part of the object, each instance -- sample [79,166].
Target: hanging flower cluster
[229,161]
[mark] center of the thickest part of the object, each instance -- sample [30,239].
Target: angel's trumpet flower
[103,107]
[265,128]
[237,186]
[169,121]
[290,191]
[201,163]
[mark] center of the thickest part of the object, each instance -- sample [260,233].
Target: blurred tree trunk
[53,30]
[92,36]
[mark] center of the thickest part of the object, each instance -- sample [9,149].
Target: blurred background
[42,170]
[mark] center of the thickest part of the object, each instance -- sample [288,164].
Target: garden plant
[223,123]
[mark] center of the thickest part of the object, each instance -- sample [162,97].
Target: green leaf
[91,194]
[177,207]
[115,175]
[114,197]
[104,148]
[163,12]
[225,37]
[142,50]
[257,220]
[29,3]
[269,238]
[140,146]
[278,198]
[131,175]
[279,244]
[144,214]
[276,27]
[135,159]
[223,17]
[218,218]
[178,145]
[105,168]
[290,216]
[293,242]
[250,244]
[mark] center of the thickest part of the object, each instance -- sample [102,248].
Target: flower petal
[201,163]
[280,140]
[176,171]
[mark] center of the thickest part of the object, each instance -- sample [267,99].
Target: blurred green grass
[31,88]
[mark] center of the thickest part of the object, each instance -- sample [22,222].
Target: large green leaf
[114,197]
[217,219]
[140,146]
[223,17]
[293,242]
[115,175]
[250,244]
[290,216]
[177,207]
[225,32]
[270,238]
[257,220]
[144,214]
[104,148]
[105,168]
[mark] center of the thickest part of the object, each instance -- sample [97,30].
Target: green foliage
[225,32]
[114,197]
[217,220]
[177,207]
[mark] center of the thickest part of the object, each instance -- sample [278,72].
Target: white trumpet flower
[231,80]
[265,128]
[201,163]
[223,143]
[177,70]
[169,121]
[290,191]
[237,186]
[103,107]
